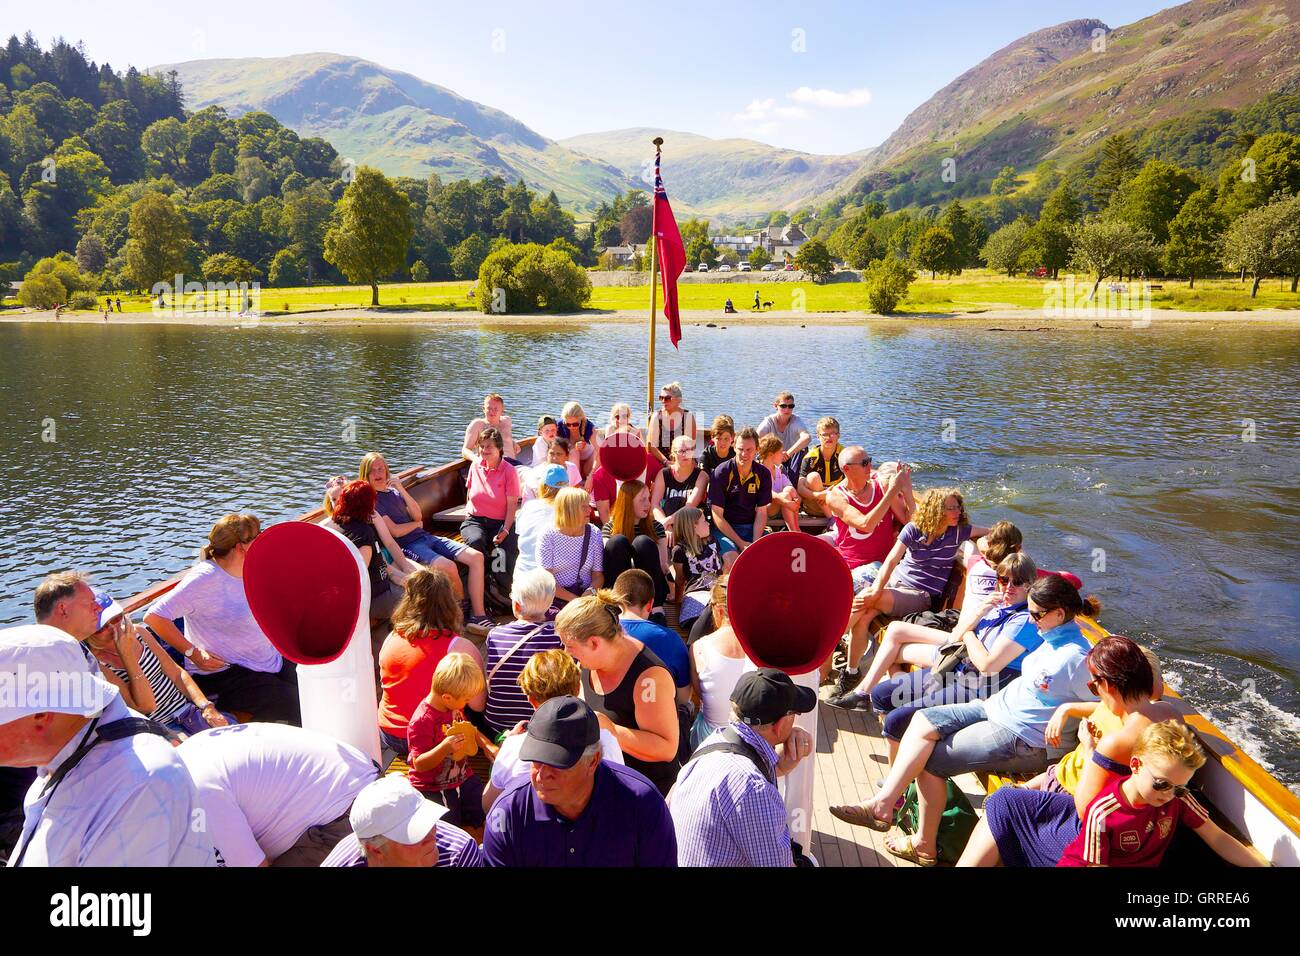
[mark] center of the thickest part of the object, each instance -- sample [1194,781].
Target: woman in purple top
[915,572]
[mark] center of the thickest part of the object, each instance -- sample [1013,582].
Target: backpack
[955,826]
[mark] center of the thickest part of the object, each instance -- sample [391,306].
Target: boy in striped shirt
[1132,821]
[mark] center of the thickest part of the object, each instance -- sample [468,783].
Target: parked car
[746,267]
[704,267]
[724,268]
[770,267]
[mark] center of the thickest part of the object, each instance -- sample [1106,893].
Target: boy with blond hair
[1133,821]
[440,740]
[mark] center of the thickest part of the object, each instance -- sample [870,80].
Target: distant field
[974,290]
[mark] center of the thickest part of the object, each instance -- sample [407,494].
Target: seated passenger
[400,567]
[633,538]
[509,647]
[492,495]
[494,416]
[1133,820]
[985,554]
[426,627]
[717,662]
[635,593]
[740,491]
[547,430]
[557,454]
[626,684]
[682,483]
[868,509]
[150,682]
[353,513]
[438,757]
[573,550]
[226,652]
[820,470]
[697,562]
[581,433]
[547,674]
[784,497]
[722,439]
[916,572]
[669,423]
[794,434]
[1006,732]
[1001,615]
[392,825]
[406,524]
[537,516]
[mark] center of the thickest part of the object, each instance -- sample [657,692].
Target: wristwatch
[189,651]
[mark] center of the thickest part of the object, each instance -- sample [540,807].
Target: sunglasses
[1039,615]
[665,398]
[786,405]
[1092,684]
[1160,784]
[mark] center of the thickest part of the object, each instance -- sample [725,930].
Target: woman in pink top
[426,628]
[492,498]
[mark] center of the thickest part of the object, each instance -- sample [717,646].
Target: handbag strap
[528,635]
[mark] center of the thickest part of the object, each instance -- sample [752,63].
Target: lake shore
[1011,320]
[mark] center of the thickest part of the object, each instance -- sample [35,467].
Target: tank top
[677,492]
[857,548]
[718,675]
[619,705]
[1069,771]
[668,431]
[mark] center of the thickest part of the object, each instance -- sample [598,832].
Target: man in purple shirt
[726,807]
[576,810]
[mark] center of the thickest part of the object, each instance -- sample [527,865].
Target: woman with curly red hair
[354,513]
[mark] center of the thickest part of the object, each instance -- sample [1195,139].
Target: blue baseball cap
[555,476]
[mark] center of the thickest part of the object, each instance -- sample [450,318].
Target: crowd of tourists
[561,685]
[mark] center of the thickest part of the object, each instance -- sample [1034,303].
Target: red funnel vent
[304,589]
[789,598]
[623,455]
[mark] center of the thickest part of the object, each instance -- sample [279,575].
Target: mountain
[722,178]
[1056,93]
[396,122]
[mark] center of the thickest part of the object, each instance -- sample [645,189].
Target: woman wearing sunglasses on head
[1006,732]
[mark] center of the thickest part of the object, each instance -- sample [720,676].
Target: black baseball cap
[559,732]
[766,695]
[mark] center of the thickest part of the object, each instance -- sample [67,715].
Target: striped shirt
[168,700]
[1117,833]
[455,848]
[506,703]
[725,811]
[926,566]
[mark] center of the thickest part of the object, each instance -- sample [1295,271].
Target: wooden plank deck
[852,759]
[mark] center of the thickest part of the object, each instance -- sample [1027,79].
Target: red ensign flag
[672,255]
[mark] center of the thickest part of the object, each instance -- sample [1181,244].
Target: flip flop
[860,816]
[908,852]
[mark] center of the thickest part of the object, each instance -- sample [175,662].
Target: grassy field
[973,291]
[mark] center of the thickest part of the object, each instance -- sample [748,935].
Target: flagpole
[654,282]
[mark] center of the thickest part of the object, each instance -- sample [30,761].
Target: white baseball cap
[108,608]
[44,669]
[392,808]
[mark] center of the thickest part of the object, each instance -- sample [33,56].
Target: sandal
[860,816]
[907,851]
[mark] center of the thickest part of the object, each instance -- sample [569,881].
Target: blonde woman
[914,574]
[406,524]
[669,422]
[681,484]
[627,686]
[225,650]
[584,442]
[572,550]
[635,539]
[547,674]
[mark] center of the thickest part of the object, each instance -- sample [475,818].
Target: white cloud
[760,112]
[831,99]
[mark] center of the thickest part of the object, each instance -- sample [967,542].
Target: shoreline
[1009,320]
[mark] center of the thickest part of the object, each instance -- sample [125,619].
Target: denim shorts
[426,548]
[725,544]
[970,742]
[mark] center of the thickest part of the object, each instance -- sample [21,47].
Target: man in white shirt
[65,600]
[790,428]
[275,795]
[109,791]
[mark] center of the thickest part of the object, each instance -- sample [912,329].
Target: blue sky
[816,75]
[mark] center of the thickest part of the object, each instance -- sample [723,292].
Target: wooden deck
[852,759]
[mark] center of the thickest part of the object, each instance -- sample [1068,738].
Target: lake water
[1160,465]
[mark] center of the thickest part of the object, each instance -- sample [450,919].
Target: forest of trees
[107,182]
